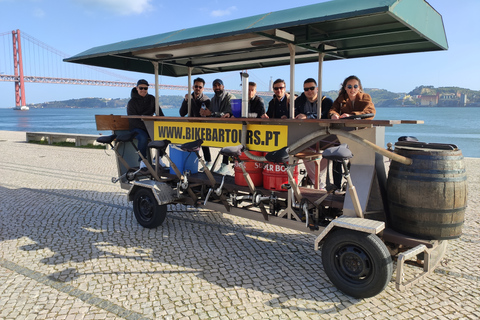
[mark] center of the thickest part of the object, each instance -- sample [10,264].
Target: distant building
[429,100]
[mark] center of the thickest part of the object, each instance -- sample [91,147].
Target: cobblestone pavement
[70,248]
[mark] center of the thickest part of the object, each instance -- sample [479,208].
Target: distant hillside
[380,97]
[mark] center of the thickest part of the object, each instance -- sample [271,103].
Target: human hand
[186,97]
[226,115]
[334,116]
[283,117]
[345,115]
[205,112]
[264,116]
[301,116]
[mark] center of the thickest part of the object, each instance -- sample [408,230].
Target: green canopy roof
[342,29]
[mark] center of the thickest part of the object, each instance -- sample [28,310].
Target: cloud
[38,13]
[225,12]
[119,7]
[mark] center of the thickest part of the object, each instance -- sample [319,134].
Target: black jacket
[256,105]
[277,109]
[196,105]
[140,106]
[301,106]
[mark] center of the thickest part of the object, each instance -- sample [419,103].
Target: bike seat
[279,156]
[338,153]
[126,137]
[161,146]
[407,138]
[106,139]
[234,152]
[191,146]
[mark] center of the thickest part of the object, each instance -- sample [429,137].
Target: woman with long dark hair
[351,100]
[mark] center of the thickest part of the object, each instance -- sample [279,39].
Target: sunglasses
[350,86]
[198,87]
[142,88]
[278,88]
[309,88]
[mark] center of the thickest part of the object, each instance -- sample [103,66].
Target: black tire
[146,209]
[357,263]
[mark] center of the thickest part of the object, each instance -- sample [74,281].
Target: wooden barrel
[427,199]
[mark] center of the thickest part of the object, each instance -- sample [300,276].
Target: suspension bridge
[36,62]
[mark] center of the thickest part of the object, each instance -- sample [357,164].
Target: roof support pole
[245,96]
[321,56]
[291,47]
[189,101]
[157,94]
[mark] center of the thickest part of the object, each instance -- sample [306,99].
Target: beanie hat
[142,81]
[218,81]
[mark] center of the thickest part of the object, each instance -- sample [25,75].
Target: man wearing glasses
[306,104]
[278,106]
[141,104]
[199,102]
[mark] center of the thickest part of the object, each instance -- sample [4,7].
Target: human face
[310,94]
[142,90]
[252,91]
[279,89]
[218,88]
[198,87]
[352,88]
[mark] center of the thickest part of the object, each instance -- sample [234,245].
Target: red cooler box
[254,169]
[274,175]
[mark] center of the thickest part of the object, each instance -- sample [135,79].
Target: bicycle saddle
[338,153]
[126,137]
[106,139]
[191,146]
[161,146]
[234,152]
[279,156]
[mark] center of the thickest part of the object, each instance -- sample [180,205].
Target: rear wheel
[357,263]
[148,212]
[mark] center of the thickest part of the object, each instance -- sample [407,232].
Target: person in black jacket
[306,104]
[306,108]
[278,106]
[199,101]
[141,104]
[256,106]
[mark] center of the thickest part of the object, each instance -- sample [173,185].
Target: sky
[73,26]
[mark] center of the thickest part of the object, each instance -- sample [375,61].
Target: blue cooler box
[183,160]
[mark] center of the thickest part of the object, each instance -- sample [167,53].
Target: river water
[459,126]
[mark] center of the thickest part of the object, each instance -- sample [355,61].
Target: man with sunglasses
[141,104]
[306,104]
[278,106]
[199,102]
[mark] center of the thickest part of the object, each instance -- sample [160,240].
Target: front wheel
[148,212]
[357,263]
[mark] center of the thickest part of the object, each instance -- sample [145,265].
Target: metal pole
[321,56]
[157,98]
[244,94]
[189,101]
[291,47]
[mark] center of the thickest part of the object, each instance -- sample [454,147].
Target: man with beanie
[141,104]
[220,106]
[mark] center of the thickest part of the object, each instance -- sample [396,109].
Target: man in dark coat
[255,103]
[141,104]
[199,102]
[278,106]
[306,104]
